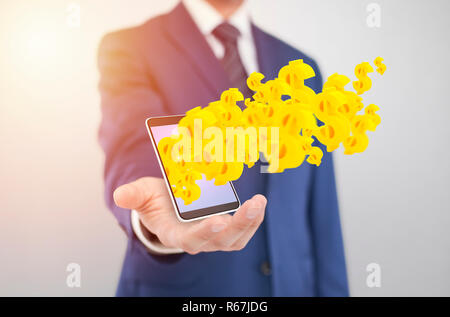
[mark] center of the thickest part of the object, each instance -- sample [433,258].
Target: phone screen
[213,199]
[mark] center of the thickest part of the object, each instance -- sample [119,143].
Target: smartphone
[214,200]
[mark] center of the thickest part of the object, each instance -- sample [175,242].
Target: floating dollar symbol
[371,113]
[364,83]
[254,81]
[381,68]
[296,73]
[290,155]
[333,132]
[190,191]
[230,112]
[315,156]
[361,123]
[337,81]
[356,144]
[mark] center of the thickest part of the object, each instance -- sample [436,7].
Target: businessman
[285,240]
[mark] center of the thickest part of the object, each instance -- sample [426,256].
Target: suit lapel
[187,37]
[269,59]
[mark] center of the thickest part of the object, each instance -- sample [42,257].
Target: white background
[394,197]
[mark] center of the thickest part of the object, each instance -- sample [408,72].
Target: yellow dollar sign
[381,68]
[337,81]
[290,154]
[190,190]
[315,156]
[254,81]
[356,144]
[296,73]
[335,130]
[370,111]
[364,83]
[362,123]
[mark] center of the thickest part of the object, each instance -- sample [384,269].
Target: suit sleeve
[128,97]
[330,268]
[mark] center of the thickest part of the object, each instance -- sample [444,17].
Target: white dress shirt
[207,19]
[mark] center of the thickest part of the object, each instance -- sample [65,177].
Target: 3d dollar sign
[364,83]
[280,122]
[381,68]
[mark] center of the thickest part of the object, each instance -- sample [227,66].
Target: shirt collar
[207,18]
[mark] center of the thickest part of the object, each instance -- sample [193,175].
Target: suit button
[265,268]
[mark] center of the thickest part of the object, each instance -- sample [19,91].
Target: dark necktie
[228,35]
[252,181]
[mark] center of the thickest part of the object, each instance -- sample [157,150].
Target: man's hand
[149,196]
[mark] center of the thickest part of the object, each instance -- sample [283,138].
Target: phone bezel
[197,213]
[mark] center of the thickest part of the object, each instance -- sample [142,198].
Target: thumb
[133,195]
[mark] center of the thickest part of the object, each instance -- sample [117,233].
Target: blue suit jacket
[164,67]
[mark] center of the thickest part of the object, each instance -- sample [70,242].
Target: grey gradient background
[395,206]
